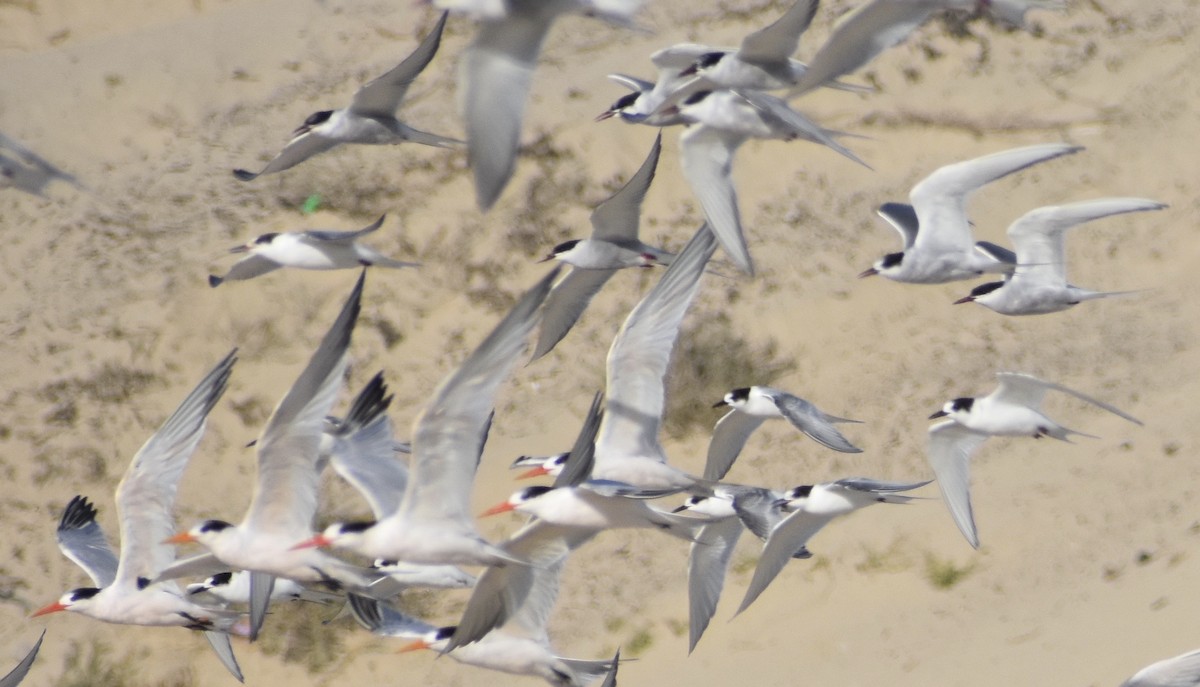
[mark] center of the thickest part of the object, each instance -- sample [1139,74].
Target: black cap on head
[962,404]
[565,246]
[892,260]
[214,525]
[266,238]
[318,117]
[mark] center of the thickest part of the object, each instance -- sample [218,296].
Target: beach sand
[1088,568]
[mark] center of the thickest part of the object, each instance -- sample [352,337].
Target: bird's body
[308,250]
[938,245]
[811,507]
[750,407]
[1039,284]
[1013,409]
[432,524]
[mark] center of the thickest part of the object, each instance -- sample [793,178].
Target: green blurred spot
[311,204]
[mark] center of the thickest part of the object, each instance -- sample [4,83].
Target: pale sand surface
[108,321]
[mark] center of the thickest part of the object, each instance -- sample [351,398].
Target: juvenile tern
[521,648]
[750,407]
[877,25]
[1180,671]
[938,246]
[433,524]
[314,249]
[370,119]
[285,491]
[17,674]
[719,122]
[1039,284]
[28,171]
[613,245]
[1013,409]
[627,449]
[124,592]
[812,507]
[495,75]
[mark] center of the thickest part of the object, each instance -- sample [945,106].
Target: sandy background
[1088,569]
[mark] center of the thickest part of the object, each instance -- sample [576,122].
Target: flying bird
[370,119]
[749,407]
[1039,283]
[812,507]
[284,502]
[314,249]
[613,245]
[125,592]
[28,171]
[1013,409]
[938,246]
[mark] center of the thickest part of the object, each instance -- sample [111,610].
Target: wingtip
[244,175]
[214,281]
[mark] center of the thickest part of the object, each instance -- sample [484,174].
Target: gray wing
[494,79]
[707,158]
[381,96]
[44,171]
[903,219]
[610,678]
[285,493]
[363,454]
[807,418]
[249,267]
[632,82]
[1014,385]
[1039,235]
[500,592]
[322,236]
[777,42]
[940,199]
[617,217]
[1180,671]
[16,675]
[381,619]
[792,533]
[729,436]
[200,565]
[950,448]
[861,35]
[708,563]
[81,539]
[221,646]
[756,509]
[296,151]
[146,494]
[876,486]
[641,352]
[445,435]
[581,458]
[1017,388]
[566,304]
[777,112]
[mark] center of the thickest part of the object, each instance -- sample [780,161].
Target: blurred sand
[108,321]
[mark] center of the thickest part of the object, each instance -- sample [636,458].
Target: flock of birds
[616,474]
